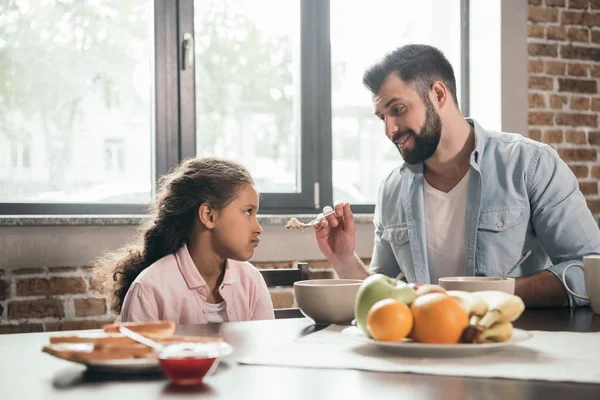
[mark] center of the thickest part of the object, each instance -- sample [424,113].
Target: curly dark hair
[170,220]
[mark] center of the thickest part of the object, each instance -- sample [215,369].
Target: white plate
[453,350]
[132,365]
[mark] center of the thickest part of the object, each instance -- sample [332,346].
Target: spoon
[517,264]
[140,338]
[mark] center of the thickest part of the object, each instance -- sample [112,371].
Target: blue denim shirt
[521,196]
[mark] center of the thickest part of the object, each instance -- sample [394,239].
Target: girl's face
[236,229]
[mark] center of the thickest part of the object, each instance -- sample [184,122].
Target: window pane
[362,155]
[248,85]
[74,74]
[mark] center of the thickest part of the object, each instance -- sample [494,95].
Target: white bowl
[478,283]
[327,301]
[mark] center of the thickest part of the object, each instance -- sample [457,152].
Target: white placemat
[547,356]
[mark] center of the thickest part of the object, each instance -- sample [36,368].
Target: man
[466,201]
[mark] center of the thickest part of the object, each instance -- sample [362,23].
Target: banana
[502,307]
[426,288]
[475,306]
[498,333]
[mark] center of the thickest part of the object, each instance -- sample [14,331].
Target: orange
[438,318]
[389,320]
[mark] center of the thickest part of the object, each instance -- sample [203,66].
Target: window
[114,155]
[123,90]
[70,71]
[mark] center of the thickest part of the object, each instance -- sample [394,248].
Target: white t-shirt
[445,229]
[217,313]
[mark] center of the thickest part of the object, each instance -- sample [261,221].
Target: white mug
[591,275]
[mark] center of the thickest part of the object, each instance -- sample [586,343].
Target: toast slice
[163,328]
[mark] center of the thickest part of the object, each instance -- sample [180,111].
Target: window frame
[174,135]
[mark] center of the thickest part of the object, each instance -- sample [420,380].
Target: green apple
[378,287]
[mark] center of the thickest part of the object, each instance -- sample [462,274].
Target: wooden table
[26,373]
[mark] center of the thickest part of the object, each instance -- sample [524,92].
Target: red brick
[542,14]
[578,35]
[536,101]
[596,104]
[4,290]
[541,83]
[580,18]
[540,118]
[41,286]
[535,2]
[35,309]
[595,70]
[593,205]
[535,30]
[581,4]
[577,85]
[75,325]
[577,137]
[595,4]
[580,103]
[28,271]
[535,134]
[580,171]
[578,154]
[282,299]
[556,33]
[594,139]
[558,101]
[21,328]
[580,52]
[90,306]
[596,36]
[535,66]
[60,270]
[578,70]
[555,3]
[596,171]
[555,67]
[542,50]
[577,120]
[553,136]
[588,188]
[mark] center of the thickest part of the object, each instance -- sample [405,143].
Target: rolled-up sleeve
[138,306]
[561,219]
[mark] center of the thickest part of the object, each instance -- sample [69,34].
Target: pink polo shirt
[173,289]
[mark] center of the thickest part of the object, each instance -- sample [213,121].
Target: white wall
[32,247]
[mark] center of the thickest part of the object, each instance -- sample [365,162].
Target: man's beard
[426,142]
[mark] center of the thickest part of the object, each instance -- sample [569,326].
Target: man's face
[411,124]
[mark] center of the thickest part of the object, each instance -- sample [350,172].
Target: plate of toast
[110,351]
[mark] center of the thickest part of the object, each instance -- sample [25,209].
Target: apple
[378,287]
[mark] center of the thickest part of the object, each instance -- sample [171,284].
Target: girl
[191,265]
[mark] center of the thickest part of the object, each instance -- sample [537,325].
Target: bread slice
[163,328]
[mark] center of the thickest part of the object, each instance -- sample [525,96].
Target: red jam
[186,370]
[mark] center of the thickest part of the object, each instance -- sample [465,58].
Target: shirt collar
[190,273]
[480,142]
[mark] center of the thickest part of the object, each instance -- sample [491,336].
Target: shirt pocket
[397,235]
[501,235]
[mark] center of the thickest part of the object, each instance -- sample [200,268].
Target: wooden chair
[286,277]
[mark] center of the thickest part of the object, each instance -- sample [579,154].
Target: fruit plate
[445,350]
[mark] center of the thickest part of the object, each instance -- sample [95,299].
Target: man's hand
[336,239]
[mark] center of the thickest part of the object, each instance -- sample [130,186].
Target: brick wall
[62,298]
[564,85]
